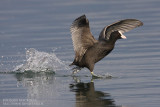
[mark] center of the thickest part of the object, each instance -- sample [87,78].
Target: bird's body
[88,50]
[94,54]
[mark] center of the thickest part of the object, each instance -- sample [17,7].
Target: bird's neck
[113,40]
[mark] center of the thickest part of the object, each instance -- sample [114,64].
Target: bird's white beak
[122,36]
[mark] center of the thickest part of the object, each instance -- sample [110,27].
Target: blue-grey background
[45,26]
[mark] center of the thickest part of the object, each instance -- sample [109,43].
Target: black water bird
[87,49]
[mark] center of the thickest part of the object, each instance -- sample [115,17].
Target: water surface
[35,36]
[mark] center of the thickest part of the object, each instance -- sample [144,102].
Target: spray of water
[37,61]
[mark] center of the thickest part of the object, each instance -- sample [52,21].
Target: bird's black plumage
[88,50]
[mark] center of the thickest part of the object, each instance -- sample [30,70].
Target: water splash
[37,61]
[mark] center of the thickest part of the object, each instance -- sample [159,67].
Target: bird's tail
[72,64]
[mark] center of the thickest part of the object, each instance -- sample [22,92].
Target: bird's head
[116,35]
[121,35]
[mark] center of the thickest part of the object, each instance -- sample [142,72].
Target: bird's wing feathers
[81,37]
[122,26]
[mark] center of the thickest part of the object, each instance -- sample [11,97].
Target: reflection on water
[32,76]
[87,96]
[44,88]
[39,86]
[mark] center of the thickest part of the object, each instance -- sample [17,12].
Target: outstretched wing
[122,26]
[81,37]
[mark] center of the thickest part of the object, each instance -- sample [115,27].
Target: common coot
[87,49]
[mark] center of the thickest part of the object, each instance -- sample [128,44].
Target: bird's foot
[95,76]
[76,70]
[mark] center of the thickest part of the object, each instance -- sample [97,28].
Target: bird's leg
[75,70]
[95,76]
[91,67]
